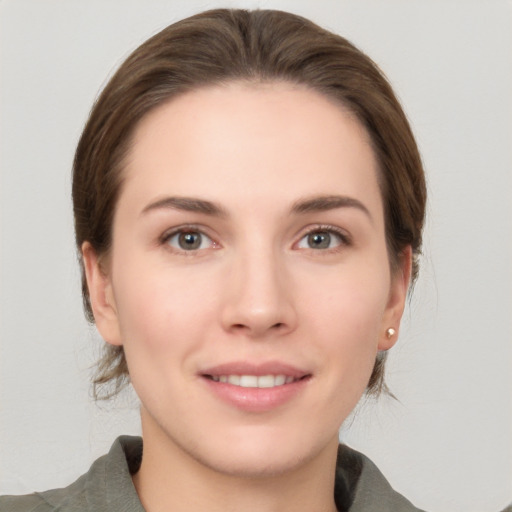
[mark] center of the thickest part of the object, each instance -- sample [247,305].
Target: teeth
[248,381]
[266,381]
[280,380]
[254,381]
[234,379]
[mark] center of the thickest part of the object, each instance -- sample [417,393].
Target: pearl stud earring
[390,332]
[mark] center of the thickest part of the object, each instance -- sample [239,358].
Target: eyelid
[343,235]
[186,228]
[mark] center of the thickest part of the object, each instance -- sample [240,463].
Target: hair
[222,46]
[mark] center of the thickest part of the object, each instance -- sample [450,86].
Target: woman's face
[248,280]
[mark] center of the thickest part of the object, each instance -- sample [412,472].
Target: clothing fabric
[108,486]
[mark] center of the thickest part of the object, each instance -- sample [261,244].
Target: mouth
[256,388]
[256,381]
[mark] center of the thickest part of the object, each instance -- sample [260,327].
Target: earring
[390,333]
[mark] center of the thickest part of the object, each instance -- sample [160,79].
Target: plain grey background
[447,444]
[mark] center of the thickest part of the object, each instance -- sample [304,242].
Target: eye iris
[189,241]
[319,240]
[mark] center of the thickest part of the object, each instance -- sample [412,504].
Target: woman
[248,201]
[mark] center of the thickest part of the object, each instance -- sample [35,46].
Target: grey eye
[321,239]
[189,241]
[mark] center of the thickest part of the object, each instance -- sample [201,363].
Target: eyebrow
[325,203]
[314,204]
[188,204]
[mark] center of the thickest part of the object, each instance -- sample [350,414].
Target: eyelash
[181,230]
[344,238]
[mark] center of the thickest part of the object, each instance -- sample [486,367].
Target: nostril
[241,327]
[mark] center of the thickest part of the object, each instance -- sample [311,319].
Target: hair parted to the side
[222,46]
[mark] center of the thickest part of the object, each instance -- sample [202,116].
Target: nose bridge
[259,297]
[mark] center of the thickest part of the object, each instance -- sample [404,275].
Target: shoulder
[71,498]
[362,487]
[27,503]
[106,486]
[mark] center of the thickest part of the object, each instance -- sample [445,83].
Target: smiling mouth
[256,381]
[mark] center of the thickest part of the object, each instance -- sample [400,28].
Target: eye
[322,239]
[189,240]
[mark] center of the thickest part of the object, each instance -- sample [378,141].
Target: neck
[170,479]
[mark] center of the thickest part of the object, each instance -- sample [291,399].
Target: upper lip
[257,369]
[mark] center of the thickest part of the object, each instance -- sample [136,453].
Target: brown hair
[221,46]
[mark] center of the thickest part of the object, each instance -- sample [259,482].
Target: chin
[253,455]
[252,463]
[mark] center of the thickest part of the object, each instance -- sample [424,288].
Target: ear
[101,296]
[400,280]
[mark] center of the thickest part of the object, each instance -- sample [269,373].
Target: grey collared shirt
[108,486]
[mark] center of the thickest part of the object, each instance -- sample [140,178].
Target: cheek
[345,317]
[352,298]
[161,310]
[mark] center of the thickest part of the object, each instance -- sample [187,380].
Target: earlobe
[400,281]
[101,296]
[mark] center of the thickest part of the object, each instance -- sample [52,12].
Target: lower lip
[256,399]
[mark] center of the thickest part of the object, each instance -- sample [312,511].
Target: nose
[259,298]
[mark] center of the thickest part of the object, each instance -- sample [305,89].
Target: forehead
[259,138]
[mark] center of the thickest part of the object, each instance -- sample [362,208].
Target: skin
[256,289]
